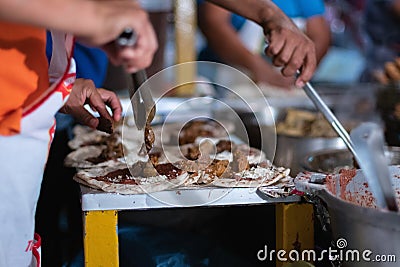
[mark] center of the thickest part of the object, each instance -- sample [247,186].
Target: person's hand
[93,23]
[264,73]
[85,92]
[117,16]
[390,74]
[290,49]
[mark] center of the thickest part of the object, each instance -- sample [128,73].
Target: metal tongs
[142,101]
[366,145]
[329,116]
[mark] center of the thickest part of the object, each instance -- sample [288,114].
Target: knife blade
[142,101]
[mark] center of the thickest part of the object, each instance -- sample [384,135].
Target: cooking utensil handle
[127,38]
[330,117]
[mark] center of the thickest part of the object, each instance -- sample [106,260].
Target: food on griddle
[303,123]
[217,168]
[143,169]
[101,151]
[240,161]
[117,178]
[105,125]
[210,158]
[200,128]
[224,145]
[149,139]
[111,151]
[194,151]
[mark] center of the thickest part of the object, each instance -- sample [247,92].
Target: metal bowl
[354,218]
[291,150]
[329,160]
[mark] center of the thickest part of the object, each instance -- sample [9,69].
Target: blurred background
[356,39]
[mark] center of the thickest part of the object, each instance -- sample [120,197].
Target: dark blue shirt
[292,8]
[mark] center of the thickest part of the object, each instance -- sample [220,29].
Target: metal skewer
[330,117]
[142,101]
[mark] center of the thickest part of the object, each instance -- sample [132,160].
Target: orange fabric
[23,72]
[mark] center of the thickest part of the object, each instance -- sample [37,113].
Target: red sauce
[330,184]
[122,176]
[169,170]
[345,177]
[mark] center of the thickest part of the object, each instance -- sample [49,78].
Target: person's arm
[215,24]
[81,18]
[95,23]
[318,30]
[288,46]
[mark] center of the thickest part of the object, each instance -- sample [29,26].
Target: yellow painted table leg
[100,238]
[294,228]
[185,36]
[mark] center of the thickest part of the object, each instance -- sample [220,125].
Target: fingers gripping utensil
[142,101]
[369,144]
[368,150]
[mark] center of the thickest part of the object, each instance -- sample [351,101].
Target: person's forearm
[73,16]
[319,32]
[77,17]
[232,53]
[93,22]
[263,12]
[289,47]
[215,24]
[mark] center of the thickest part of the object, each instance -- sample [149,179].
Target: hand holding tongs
[143,104]
[323,108]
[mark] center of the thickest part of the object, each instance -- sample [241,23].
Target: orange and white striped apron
[23,157]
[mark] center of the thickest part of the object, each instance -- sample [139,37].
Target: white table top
[208,196]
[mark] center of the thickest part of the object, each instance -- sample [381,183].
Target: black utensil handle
[127,38]
[139,78]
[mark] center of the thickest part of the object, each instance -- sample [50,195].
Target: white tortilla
[78,158]
[84,135]
[259,177]
[254,155]
[145,185]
